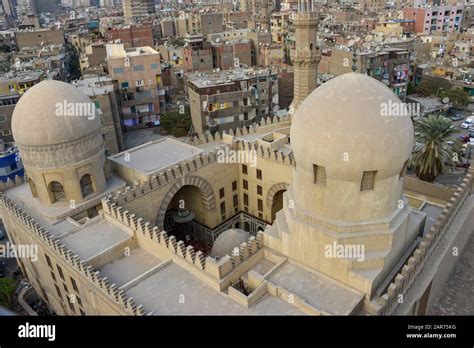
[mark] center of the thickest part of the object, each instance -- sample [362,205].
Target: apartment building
[43,37]
[436,18]
[237,20]
[389,65]
[12,86]
[222,100]
[210,23]
[168,29]
[232,54]
[137,73]
[137,8]
[279,24]
[101,90]
[135,35]
[197,54]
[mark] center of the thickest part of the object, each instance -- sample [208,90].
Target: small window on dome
[319,173]
[368,179]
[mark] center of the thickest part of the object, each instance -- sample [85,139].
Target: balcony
[229,96]
[233,111]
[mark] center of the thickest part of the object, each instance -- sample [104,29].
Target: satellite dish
[377,48]
[351,43]
[366,45]
[378,39]
[445,100]
[357,39]
[368,38]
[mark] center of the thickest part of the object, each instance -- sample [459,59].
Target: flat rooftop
[318,290]
[225,77]
[94,237]
[157,155]
[127,268]
[118,51]
[161,293]
[95,85]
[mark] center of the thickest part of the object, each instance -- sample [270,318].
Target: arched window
[34,193]
[86,186]
[57,191]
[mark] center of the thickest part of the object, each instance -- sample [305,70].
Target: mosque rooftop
[154,156]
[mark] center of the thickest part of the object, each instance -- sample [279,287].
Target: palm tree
[435,146]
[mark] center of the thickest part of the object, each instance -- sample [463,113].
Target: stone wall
[216,273]
[401,284]
[66,256]
[432,190]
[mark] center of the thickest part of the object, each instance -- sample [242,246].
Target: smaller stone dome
[227,241]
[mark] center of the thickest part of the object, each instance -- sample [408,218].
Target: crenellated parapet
[9,184]
[95,277]
[215,269]
[265,152]
[166,176]
[261,127]
[402,282]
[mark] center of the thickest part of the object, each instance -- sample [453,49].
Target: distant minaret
[305,55]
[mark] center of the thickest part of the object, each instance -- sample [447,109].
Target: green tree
[74,65]
[7,288]
[458,97]
[177,123]
[432,86]
[4,48]
[435,147]
[410,88]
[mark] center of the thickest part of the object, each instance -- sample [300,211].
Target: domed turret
[351,146]
[58,133]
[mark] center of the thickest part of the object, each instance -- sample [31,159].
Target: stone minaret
[305,55]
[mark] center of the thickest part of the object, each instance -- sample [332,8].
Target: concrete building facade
[137,73]
[234,98]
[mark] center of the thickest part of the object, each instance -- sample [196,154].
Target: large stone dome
[346,127]
[59,137]
[344,116]
[53,112]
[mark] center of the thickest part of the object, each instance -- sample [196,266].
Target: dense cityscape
[252,157]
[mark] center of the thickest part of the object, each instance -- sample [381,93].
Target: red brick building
[138,35]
